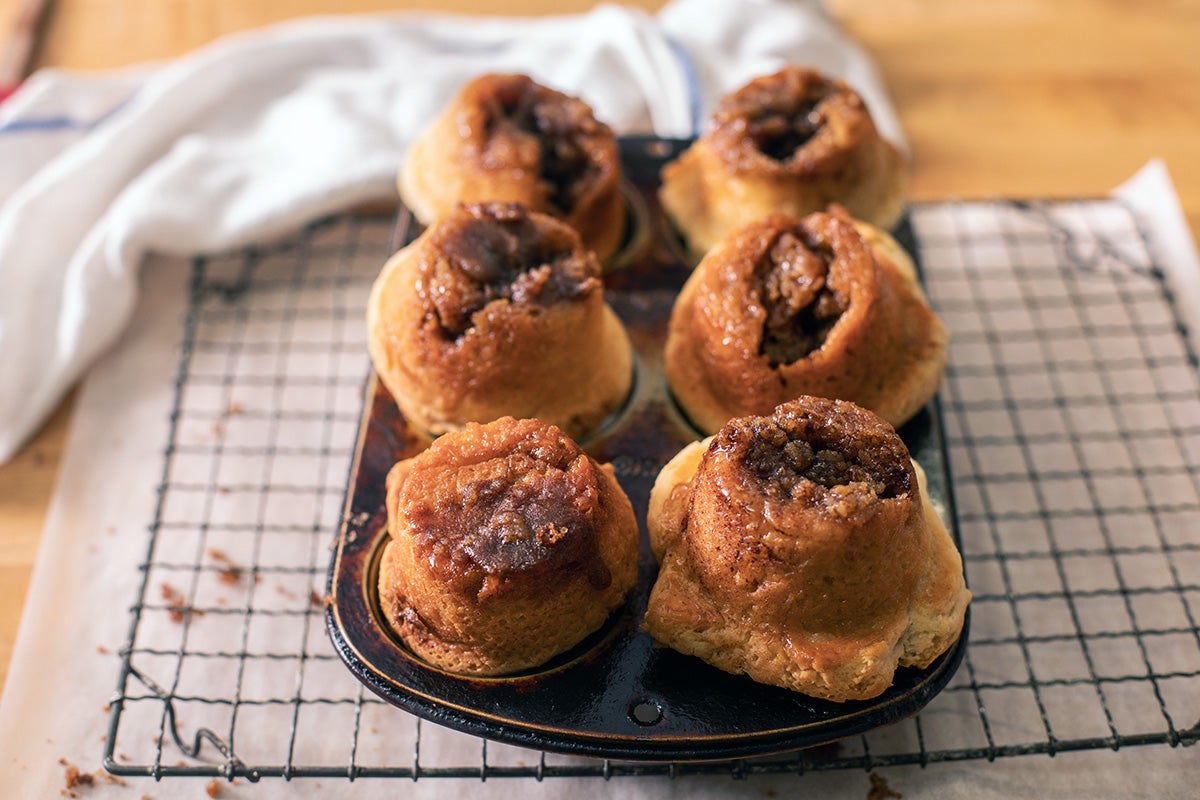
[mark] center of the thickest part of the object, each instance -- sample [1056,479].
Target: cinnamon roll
[821,305]
[497,311]
[507,138]
[790,143]
[801,549]
[508,546]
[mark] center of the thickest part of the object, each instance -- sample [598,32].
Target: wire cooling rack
[1072,408]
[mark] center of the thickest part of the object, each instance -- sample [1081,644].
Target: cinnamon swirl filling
[778,123]
[507,138]
[818,451]
[803,298]
[819,305]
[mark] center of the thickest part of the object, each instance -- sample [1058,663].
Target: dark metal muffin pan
[616,695]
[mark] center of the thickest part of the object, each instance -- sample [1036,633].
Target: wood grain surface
[1054,98]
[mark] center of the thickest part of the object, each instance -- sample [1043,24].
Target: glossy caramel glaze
[508,545]
[796,122]
[553,135]
[801,549]
[497,252]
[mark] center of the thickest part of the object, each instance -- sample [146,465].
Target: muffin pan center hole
[646,712]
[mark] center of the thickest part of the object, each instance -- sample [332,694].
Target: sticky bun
[801,549]
[508,545]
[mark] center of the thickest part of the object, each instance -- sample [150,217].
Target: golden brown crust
[496,311]
[821,305]
[802,550]
[508,546]
[791,143]
[507,138]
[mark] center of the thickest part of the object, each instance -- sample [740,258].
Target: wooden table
[1059,98]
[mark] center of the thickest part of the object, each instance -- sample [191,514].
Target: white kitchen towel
[258,133]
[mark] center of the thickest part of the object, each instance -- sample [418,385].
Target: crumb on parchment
[230,573]
[879,788]
[75,779]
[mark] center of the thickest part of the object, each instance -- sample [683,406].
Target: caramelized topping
[522,113]
[796,121]
[781,135]
[522,502]
[500,252]
[801,296]
[822,452]
[778,123]
[510,521]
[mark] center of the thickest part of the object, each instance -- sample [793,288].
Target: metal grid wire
[1072,409]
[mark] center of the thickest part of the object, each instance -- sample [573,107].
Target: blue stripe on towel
[45,124]
[692,76]
[52,124]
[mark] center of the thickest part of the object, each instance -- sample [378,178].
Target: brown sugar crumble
[176,602]
[879,788]
[75,779]
[801,296]
[232,409]
[230,573]
[177,607]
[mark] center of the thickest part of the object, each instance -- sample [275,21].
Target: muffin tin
[616,695]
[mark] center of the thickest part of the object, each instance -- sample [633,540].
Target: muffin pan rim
[363,642]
